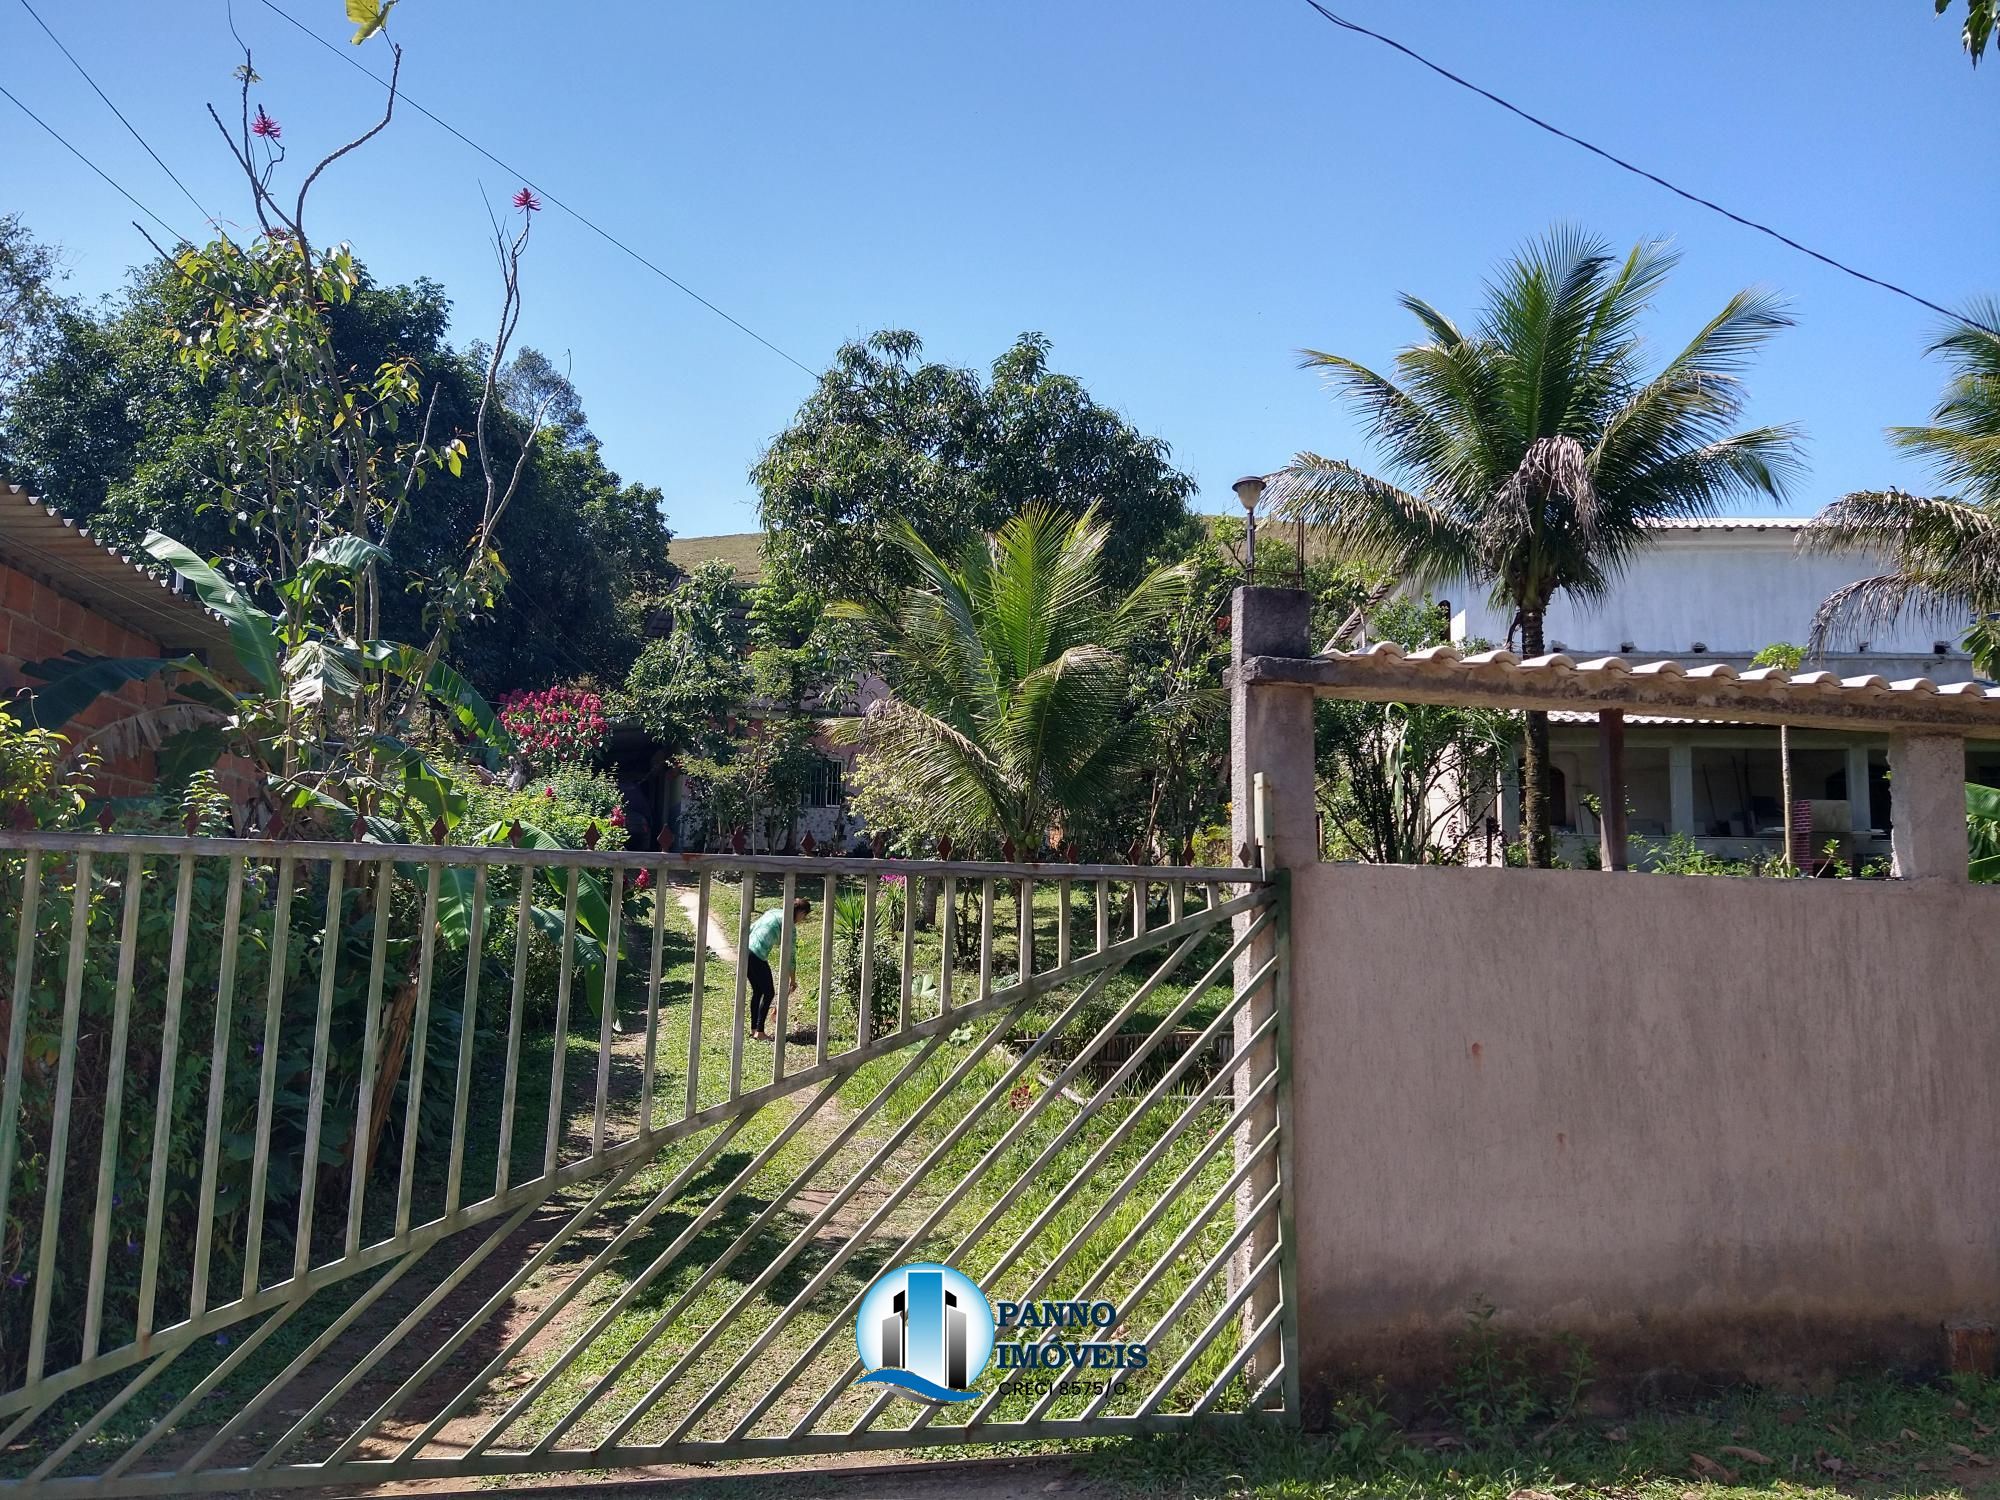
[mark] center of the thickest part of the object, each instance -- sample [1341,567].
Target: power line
[118,186]
[592,225]
[1652,177]
[129,126]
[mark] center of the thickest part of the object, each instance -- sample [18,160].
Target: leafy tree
[1531,452]
[29,271]
[1010,678]
[1944,550]
[1397,781]
[889,439]
[114,431]
[682,688]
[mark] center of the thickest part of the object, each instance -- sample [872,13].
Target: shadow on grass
[1880,1436]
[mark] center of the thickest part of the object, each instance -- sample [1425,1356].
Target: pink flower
[645,879]
[265,126]
[525,200]
[548,792]
[618,817]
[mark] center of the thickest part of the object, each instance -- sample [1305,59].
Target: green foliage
[561,810]
[1780,654]
[1978,28]
[889,439]
[298,984]
[1884,1434]
[1497,1390]
[1943,550]
[1529,453]
[1010,680]
[566,805]
[681,689]
[35,775]
[369,17]
[885,975]
[110,428]
[1982,810]
[29,271]
[1679,854]
[1398,780]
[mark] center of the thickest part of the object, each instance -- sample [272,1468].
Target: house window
[823,787]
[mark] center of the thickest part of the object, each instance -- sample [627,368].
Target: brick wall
[36,622]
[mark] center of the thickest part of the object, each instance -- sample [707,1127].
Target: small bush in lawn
[885,983]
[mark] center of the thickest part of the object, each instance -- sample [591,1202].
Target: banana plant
[317,710]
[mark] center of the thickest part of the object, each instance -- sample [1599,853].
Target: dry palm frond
[143,730]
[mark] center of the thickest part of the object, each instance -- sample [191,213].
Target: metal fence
[330,1163]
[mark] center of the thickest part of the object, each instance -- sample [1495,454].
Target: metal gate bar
[428,907]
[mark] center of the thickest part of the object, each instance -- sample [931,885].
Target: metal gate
[289,1197]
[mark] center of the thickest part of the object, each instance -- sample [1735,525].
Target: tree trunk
[1535,817]
[401,1012]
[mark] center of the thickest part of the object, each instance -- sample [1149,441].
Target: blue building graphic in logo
[926,1329]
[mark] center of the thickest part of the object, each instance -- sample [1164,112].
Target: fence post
[1927,836]
[1270,741]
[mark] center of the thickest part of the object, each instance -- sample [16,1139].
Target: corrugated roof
[60,553]
[1712,691]
[1732,523]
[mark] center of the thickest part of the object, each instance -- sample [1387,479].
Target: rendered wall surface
[1731,1126]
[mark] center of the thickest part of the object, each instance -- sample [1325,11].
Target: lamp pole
[1249,490]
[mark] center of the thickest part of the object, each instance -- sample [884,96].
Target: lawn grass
[1883,1436]
[1875,1436]
[692,1329]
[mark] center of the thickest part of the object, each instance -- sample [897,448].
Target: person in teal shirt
[765,934]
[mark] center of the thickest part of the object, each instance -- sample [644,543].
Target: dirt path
[718,940]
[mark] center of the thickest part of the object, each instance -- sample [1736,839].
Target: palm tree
[1008,714]
[1531,452]
[1944,550]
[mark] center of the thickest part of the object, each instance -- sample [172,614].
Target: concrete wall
[1736,1127]
[1733,589]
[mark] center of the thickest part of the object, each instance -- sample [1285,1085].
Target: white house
[1720,591]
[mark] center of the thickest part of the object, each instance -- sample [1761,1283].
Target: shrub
[885,986]
[558,726]
[34,778]
[566,806]
[105,891]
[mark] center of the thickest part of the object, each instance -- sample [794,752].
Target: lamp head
[1249,489]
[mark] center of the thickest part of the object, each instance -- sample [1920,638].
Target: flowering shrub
[558,726]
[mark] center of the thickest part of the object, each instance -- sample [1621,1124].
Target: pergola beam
[1809,700]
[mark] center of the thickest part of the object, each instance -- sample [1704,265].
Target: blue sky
[1180,195]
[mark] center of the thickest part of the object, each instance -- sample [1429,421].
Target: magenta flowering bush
[558,726]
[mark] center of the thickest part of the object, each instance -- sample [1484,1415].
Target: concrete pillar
[1270,735]
[1860,809]
[1611,843]
[1680,789]
[1927,807]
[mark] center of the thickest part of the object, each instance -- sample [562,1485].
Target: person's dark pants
[763,990]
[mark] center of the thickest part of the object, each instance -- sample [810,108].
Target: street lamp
[1250,489]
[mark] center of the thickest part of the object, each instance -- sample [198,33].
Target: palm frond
[1855,611]
[1373,521]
